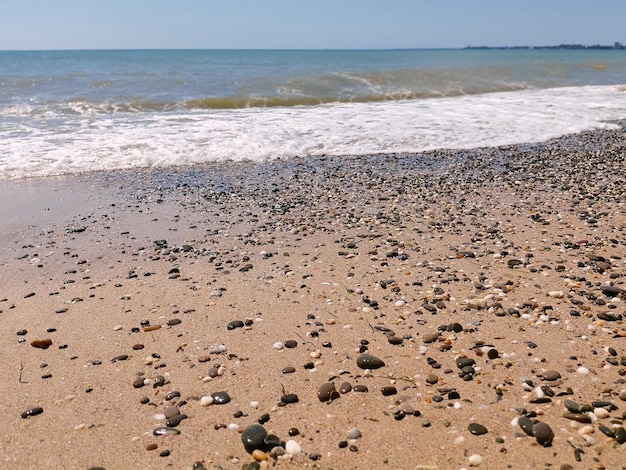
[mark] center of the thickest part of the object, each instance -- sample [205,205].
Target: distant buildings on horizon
[616,45]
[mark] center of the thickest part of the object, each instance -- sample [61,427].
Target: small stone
[37,410]
[165,430]
[475,460]
[121,357]
[354,433]
[253,438]
[292,447]
[543,433]
[551,375]
[526,424]
[175,420]
[477,429]
[259,455]
[206,401]
[289,398]
[171,411]
[235,324]
[367,361]
[290,343]
[430,337]
[432,379]
[41,343]
[326,391]
[345,387]
[289,370]
[174,321]
[220,398]
[278,345]
[388,391]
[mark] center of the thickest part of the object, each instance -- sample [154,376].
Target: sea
[69,112]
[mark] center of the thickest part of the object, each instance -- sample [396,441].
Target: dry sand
[499,255]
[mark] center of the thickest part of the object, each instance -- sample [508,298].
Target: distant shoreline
[616,46]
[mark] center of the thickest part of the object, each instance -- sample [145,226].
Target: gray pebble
[367,361]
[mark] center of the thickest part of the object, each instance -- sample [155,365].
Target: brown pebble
[345,387]
[543,433]
[551,375]
[138,346]
[151,446]
[430,337]
[41,343]
[432,379]
[325,392]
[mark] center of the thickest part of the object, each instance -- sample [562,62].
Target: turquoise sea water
[75,111]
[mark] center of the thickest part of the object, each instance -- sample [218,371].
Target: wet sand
[489,282]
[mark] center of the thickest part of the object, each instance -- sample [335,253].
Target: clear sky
[306,24]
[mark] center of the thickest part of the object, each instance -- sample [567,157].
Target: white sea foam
[63,143]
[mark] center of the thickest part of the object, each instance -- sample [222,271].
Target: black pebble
[37,410]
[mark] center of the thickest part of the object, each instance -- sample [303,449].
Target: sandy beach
[445,310]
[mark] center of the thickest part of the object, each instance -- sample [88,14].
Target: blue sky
[295,24]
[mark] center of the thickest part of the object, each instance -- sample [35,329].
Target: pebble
[253,438]
[165,430]
[292,447]
[432,379]
[475,460]
[289,398]
[368,361]
[354,433]
[41,343]
[37,410]
[551,375]
[327,392]
[171,411]
[477,429]
[543,433]
[235,324]
[220,398]
[430,337]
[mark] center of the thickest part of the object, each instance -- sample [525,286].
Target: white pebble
[206,400]
[233,426]
[475,460]
[159,416]
[292,447]
[556,294]
[254,404]
[117,327]
[601,412]
[582,370]
[354,433]
[400,303]
[278,345]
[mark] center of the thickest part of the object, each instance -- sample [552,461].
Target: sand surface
[511,257]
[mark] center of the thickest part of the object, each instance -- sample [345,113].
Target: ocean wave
[82,143]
